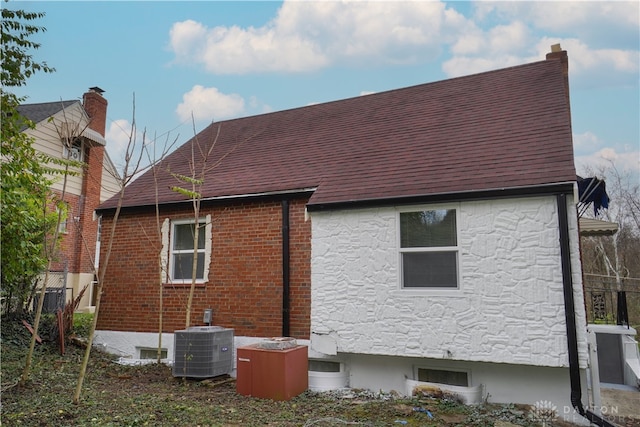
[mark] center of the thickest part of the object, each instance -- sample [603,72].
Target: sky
[175,66]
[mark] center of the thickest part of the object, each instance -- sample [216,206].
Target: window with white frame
[181,251]
[429,249]
[61,211]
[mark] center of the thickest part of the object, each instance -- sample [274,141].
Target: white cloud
[465,65]
[311,35]
[512,45]
[586,142]
[186,39]
[585,59]
[588,19]
[627,161]
[497,41]
[523,32]
[118,135]
[209,104]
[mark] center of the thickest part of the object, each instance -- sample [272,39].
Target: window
[152,353]
[429,249]
[181,258]
[177,250]
[324,366]
[61,212]
[458,378]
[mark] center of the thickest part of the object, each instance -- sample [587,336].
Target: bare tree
[153,158]
[610,263]
[132,167]
[618,255]
[199,166]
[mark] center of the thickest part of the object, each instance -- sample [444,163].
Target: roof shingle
[507,128]
[38,112]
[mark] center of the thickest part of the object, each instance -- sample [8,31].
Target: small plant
[82,323]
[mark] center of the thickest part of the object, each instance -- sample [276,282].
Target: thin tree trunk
[194,264]
[161,307]
[94,323]
[36,324]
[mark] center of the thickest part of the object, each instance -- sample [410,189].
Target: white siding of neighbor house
[111,180]
[47,141]
[509,307]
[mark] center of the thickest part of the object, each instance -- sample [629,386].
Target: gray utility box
[202,352]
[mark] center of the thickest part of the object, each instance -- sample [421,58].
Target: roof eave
[485,194]
[266,195]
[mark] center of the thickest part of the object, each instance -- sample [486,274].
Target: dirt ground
[118,395]
[621,406]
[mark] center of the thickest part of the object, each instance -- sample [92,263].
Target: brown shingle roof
[500,129]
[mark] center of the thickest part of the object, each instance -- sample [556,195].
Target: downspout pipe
[570,316]
[286,271]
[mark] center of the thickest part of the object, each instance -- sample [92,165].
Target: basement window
[152,353]
[324,366]
[457,378]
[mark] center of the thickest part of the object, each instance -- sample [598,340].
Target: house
[75,130]
[422,234]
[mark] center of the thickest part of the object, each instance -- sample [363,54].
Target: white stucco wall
[509,307]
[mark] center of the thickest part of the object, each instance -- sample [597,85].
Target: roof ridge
[68,101]
[388,91]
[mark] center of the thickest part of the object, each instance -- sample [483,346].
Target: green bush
[82,324]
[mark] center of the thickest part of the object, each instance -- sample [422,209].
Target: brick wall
[91,187]
[65,254]
[245,275]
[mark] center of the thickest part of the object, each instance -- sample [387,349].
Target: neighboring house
[425,233]
[75,130]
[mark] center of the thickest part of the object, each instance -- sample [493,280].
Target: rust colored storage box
[271,373]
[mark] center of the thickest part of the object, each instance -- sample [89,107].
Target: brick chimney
[96,107]
[557,54]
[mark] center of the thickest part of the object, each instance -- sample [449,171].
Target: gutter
[213,201]
[456,196]
[286,270]
[570,317]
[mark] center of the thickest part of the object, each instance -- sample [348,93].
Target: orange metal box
[272,374]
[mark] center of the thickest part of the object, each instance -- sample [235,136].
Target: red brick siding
[65,254]
[96,107]
[245,275]
[91,186]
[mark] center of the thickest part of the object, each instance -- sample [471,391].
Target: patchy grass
[116,395]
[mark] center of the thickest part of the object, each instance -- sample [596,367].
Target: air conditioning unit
[202,352]
[72,153]
[54,300]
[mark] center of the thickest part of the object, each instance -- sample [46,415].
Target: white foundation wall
[502,383]
[128,344]
[509,307]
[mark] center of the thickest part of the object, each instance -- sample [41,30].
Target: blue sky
[220,60]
